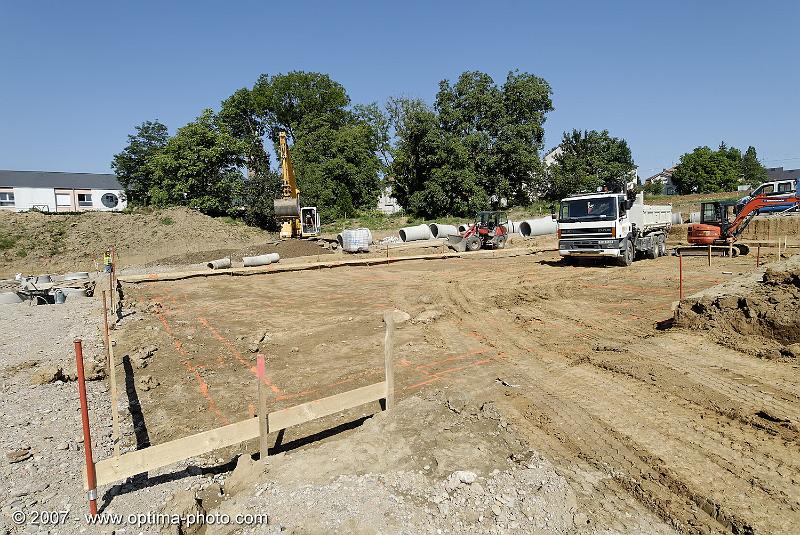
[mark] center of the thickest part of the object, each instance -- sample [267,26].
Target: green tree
[708,171]
[132,165]
[589,160]
[199,166]
[753,172]
[480,142]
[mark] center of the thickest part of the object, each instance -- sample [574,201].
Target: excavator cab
[309,220]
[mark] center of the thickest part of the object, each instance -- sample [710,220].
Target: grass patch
[7,241]
[166,220]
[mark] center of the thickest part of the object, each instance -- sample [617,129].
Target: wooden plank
[306,412]
[112,377]
[263,416]
[158,456]
[388,319]
[179,275]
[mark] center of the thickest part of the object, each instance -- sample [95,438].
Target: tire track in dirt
[715,513]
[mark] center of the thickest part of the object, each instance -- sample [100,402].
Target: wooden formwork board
[136,462]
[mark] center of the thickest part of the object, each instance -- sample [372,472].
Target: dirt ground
[653,427]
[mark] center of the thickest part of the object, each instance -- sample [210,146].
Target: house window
[6,198]
[63,199]
[84,199]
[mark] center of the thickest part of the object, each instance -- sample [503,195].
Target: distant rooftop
[57,179]
[779,173]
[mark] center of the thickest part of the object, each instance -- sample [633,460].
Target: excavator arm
[751,209]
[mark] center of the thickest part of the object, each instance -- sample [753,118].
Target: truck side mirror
[553,212]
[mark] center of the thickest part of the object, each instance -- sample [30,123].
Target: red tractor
[489,231]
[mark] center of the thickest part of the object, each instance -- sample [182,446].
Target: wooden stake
[388,319]
[105,327]
[709,256]
[263,416]
[680,277]
[758,256]
[112,377]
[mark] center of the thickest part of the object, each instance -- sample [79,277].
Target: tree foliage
[589,160]
[753,172]
[705,170]
[479,143]
[199,166]
[132,164]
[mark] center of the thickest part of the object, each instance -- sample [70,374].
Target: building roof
[779,173]
[57,179]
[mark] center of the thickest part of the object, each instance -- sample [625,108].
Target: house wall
[45,199]
[388,204]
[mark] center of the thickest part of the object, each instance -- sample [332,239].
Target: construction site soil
[639,419]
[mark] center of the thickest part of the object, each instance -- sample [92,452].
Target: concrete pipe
[420,232]
[442,231]
[694,217]
[222,263]
[9,298]
[677,218]
[538,227]
[340,239]
[261,260]
[44,279]
[463,227]
[76,276]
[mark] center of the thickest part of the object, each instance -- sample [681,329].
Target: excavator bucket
[457,242]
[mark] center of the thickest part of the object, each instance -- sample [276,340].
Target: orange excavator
[720,225]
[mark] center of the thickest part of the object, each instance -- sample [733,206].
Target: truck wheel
[473,243]
[662,248]
[627,255]
[652,251]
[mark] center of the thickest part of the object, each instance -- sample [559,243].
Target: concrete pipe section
[287,207]
[442,231]
[44,279]
[463,227]
[538,227]
[260,260]
[222,263]
[76,276]
[677,218]
[74,292]
[420,232]
[694,217]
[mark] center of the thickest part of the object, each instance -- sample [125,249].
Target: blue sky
[75,77]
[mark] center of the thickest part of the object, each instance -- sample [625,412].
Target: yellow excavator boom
[297,221]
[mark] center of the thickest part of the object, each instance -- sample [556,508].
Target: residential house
[665,179]
[51,191]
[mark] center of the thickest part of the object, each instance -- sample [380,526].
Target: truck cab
[611,226]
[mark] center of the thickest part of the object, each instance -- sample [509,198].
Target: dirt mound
[467,472]
[287,249]
[759,315]
[34,242]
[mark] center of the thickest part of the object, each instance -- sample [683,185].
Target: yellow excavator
[296,222]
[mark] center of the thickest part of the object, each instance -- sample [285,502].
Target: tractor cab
[490,221]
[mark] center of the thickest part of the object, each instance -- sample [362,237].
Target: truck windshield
[588,209]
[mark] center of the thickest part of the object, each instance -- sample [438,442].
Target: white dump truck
[611,225]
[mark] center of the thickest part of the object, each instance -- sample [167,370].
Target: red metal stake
[91,478]
[680,276]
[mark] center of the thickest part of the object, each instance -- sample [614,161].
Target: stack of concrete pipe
[538,227]
[419,232]
[439,230]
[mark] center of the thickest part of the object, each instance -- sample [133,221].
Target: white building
[60,192]
[665,179]
[388,204]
